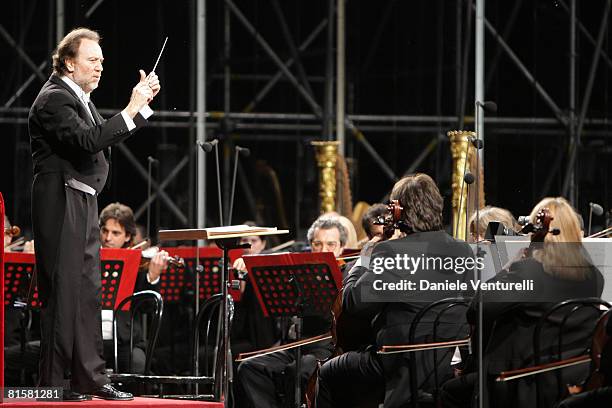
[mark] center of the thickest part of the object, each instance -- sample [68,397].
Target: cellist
[560,270]
[364,378]
[263,378]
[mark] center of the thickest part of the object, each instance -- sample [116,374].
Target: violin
[149,253]
[13,231]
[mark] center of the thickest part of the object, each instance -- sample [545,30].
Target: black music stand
[301,285]
[175,280]
[226,238]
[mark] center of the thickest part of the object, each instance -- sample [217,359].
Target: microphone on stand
[151,161]
[596,209]
[207,148]
[245,151]
[477,143]
[487,106]
[468,178]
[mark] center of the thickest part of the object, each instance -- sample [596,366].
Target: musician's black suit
[67,144]
[364,375]
[509,321]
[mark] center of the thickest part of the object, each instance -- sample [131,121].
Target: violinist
[12,245]
[559,269]
[8,236]
[20,364]
[370,225]
[265,379]
[478,225]
[363,377]
[117,229]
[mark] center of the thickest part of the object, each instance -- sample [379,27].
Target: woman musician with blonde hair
[556,270]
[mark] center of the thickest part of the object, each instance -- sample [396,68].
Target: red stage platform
[136,403]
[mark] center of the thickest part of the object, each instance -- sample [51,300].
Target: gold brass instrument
[464,158]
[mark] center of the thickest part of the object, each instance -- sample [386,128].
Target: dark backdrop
[401,60]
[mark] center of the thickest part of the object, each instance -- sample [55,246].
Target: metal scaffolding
[321,117]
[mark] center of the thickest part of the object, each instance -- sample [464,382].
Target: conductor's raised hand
[153,81]
[141,95]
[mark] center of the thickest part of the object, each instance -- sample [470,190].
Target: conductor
[70,145]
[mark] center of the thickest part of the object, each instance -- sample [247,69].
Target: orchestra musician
[369,222]
[117,230]
[20,360]
[263,378]
[355,377]
[70,145]
[560,270]
[479,222]
[8,236]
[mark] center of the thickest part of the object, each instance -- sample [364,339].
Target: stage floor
[138,402]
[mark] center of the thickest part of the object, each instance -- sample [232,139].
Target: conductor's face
[86,68]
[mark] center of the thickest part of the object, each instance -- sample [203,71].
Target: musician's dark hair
[68,48]
[326,223]
[123,215]
[422,202]
[368,219]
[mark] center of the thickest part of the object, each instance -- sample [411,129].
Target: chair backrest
[209,314]
[138,300]
[439,308]
[578,316]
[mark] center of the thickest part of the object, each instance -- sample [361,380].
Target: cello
[349,333]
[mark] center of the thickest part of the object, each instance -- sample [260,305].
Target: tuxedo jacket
[65,140]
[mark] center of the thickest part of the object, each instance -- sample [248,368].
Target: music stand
[226,238]
[19,269]
[20,290]
[318,278]
[119,269]
[295,284]
[2,296]
[207,259]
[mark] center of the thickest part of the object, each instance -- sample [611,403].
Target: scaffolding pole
[340,78]
[201,109]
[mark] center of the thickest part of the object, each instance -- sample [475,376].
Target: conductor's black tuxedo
[68,144]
